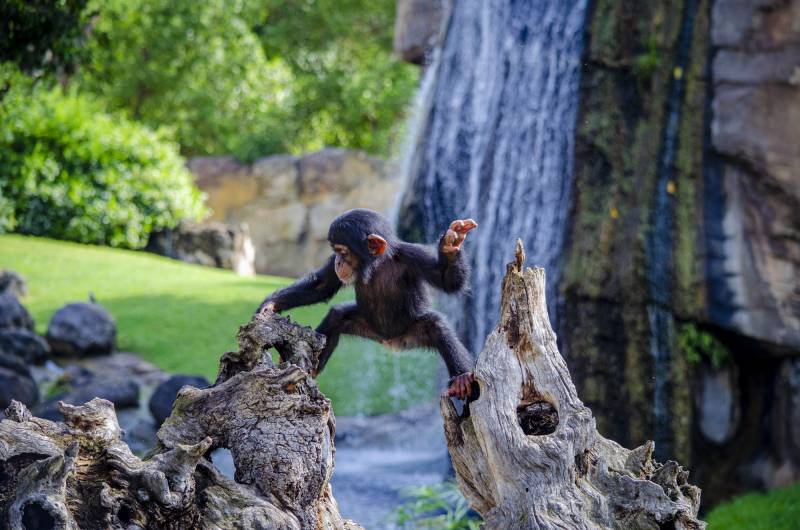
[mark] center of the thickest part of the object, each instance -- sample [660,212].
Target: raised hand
[456,234]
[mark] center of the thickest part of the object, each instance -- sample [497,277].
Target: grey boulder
[12,283]
[13,314]
[80,329]
[164,395]
[16,382]
[25,344]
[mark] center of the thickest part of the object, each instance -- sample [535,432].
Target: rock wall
[287,202]
[209,243]
[719,121]
[755,140]
[416,28]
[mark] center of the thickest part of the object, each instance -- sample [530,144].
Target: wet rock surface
[755,111]
[731,212]
[718,403]
[80,329]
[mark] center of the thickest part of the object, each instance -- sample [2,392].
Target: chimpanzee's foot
[461,386]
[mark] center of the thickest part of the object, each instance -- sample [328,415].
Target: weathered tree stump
[527,453]
[277,425]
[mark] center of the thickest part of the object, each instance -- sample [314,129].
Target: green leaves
[698,345]
[252,78]
[439,506]
[72,171]
[42,35]
[194,67]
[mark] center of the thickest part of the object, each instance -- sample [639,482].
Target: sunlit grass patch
[773,510]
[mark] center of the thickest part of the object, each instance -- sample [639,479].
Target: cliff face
[755,127]
[682,254]
[685,236]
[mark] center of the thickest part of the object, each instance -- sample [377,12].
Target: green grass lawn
[774,510]
[182,317]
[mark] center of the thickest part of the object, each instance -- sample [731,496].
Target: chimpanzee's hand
[455,235]
[266,309]
[461,386]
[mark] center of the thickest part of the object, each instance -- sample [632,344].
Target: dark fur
[392,301]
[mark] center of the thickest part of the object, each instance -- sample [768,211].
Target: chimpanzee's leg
[431,330]
[341,319]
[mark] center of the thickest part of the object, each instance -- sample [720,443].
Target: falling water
[497,141]
[659,245]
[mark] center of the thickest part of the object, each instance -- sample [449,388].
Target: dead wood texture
[277,425]
[527,454]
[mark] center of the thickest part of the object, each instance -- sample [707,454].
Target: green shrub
[439,506]
[646,63]
[697,345]
[69,170]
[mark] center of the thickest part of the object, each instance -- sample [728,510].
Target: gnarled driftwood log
[527,454]
[277,425]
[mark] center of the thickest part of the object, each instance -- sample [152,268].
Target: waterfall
[496,143]
[659,245]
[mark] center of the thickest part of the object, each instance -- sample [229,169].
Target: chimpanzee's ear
[376,244]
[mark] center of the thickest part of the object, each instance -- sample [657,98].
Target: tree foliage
[42,35]
[193,66]
[250,77]
[349,88]
[72,171]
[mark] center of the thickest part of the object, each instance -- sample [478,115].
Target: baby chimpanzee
[389,276]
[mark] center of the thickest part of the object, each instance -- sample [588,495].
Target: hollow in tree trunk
[527,454]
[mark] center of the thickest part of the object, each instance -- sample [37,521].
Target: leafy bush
[68,170]
[193,66]
[697,345]
[440,507]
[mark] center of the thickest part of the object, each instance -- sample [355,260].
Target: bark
[527,453]
[277,425]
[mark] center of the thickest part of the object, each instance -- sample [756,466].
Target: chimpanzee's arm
[449,272]
[318,286]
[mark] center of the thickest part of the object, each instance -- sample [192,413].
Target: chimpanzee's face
[346,264]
